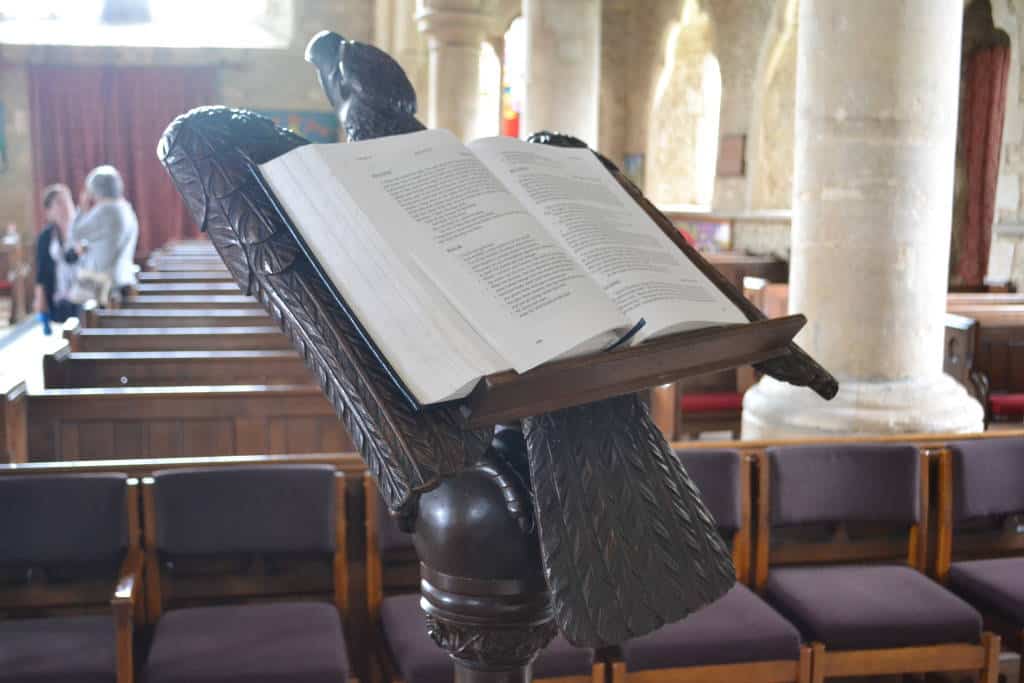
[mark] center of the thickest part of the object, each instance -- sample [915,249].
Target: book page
[610,235]
[434,202]
[435,352]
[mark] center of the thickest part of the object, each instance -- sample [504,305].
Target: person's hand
[85,200]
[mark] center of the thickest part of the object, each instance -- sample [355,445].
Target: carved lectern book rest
[465,261]
[576,511]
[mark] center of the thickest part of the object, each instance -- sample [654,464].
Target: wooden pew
[153,422]
[984,298]
[13,421]
[185,276]
[714,402]
[189,301]
[187,288]
[65,369]
[176,339]
[736,266]
[186,265]
[172,317]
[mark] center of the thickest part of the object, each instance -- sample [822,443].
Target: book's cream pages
[460,264]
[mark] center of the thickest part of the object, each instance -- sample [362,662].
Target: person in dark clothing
[55,271]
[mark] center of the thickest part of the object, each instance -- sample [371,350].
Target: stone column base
[773,409]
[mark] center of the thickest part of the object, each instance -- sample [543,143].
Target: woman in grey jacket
[108,228]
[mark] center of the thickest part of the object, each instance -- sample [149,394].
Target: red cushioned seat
[1006,405]
[711,402]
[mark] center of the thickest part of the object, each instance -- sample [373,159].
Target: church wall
[257,79]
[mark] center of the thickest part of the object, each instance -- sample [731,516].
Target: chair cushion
[739,627]
[857,607]
[59,649]
[420,660]
[1006,405]
[286,642]
[710,402]
[992,585]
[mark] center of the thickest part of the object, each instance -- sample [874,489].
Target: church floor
[21,353]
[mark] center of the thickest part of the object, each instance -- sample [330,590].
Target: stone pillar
[454,29]
[396,31]
[876,103]
[563,67]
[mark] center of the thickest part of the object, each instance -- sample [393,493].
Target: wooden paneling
[227,317]
[186,276]
[186,288]
[65,424]
[67,369]
[190,301]
[179,339]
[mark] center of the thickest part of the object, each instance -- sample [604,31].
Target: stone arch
[682,135]
[772,128]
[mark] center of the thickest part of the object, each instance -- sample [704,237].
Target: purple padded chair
[410,655]
[841,547]
[63,539]
[738,637]
[219,538]
[981,508]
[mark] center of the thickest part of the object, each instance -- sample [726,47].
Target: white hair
[105,182]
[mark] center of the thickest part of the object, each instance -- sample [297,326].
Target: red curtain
[984,110]
[86,116]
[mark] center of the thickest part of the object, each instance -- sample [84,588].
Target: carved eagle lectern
[583,516]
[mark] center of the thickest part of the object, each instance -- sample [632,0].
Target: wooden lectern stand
[573,512]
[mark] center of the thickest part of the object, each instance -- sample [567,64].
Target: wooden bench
[998,359]
[187,288]
[189,301]
[65,368]
[158,422]
[13,420]
[176,338]
[169,264]
[173,317]
[715,402]
[186,276]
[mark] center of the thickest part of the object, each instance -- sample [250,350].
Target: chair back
[723,479]
[244,532]
[62,538]
[62,519]
[826,503]
[981,500]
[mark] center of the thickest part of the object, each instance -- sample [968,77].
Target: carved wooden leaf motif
[627,543]
[205,153]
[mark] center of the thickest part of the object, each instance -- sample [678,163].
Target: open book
[462,261]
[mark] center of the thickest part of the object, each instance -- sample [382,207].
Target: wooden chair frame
[124,600]
[381,659]
[1005,544]
[780,671]
[983,657]
[153,575]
